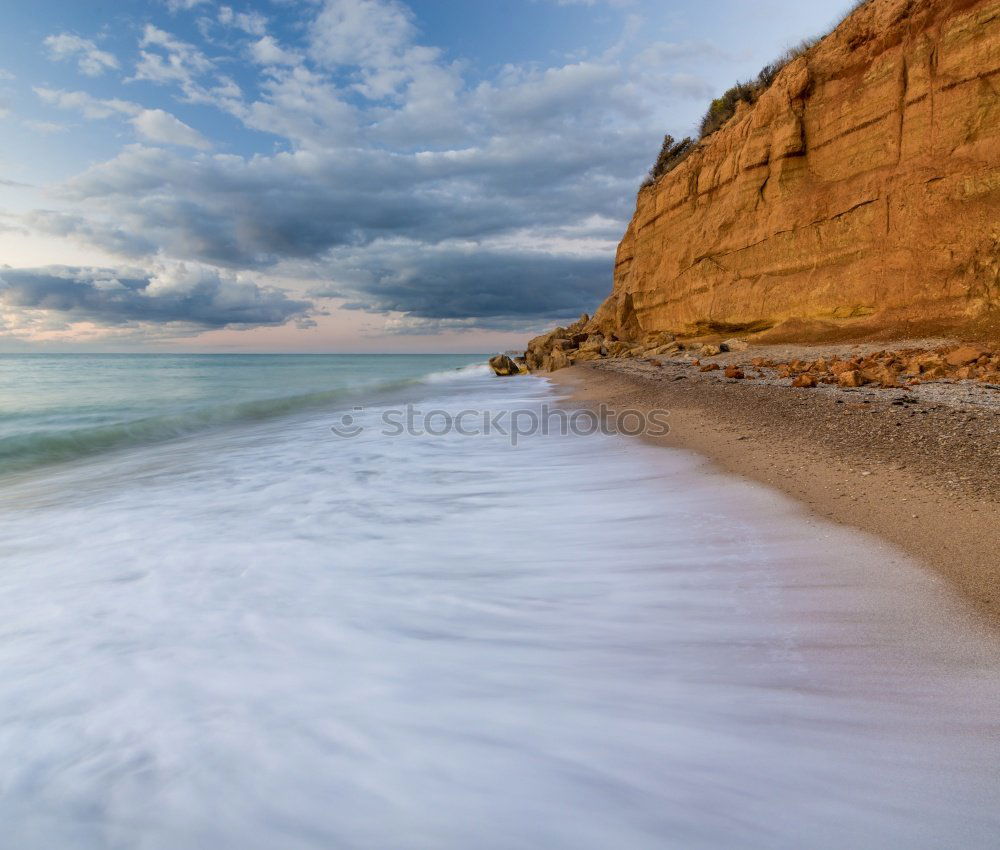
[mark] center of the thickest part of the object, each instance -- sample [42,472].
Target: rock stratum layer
[860,194]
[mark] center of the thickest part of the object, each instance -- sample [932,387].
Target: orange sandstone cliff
[859,195]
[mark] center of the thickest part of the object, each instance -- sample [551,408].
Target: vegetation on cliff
[724,107]
[672,154]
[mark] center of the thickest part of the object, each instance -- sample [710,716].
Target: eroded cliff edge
[860,194]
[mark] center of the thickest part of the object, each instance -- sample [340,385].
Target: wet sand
[923,475]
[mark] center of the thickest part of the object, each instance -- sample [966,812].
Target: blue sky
[340,175]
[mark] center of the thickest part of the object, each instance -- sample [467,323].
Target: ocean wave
[20,452]
[473,370]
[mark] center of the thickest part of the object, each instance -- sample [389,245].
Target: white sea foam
[473,370]
[269,637]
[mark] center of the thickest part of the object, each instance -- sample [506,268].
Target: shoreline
[917,479]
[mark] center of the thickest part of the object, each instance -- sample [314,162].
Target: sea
[352,601]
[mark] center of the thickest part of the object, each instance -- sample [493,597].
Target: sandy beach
[918,467]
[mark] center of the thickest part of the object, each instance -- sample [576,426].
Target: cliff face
[861,193]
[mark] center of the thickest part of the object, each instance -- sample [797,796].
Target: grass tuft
[723,108]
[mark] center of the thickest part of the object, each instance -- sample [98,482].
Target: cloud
[396,179]
[363,33]
[174,62]
[159,126]
[456,283]
[154,125]
[267,51]
[375,37]
[103,234]
[254,213]
[90,60]
[252,23]
[166,60]
[183,5]
[86,104]
[183,293]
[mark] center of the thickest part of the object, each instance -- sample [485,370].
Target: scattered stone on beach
[851,378]
[965,355]
[850,367]
[735,345]
[504,366]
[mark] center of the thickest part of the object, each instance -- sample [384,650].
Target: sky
[341,175]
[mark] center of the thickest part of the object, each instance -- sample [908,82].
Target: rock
[885,376]
[805,381]
[545,340]
[709,350]
[965,355]
[711,367]
[582,356]
[735,344]
[538,348]
[558,359]
[851,378]
[734,372]
[668,348]
[504,366]
[925,362]
[838,367]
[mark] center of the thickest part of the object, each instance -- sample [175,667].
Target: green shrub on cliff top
[723,108]
[672,154]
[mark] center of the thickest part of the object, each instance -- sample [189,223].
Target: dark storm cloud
[254,213]
[181,294]
[493,287]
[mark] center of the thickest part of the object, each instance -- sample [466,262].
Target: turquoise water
[60,407]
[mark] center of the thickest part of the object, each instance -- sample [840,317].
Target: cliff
[860,195]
